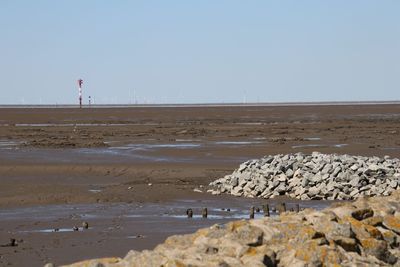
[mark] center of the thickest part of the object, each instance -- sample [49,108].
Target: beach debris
[13,243]
[281,207]
[204,213]
[149,184]
[189,213]
[197,190]
[314,176]
[130,187]
[75,228]
[49,265]
[137,236]
[85,225]
[213,192]
[265,210]
[297,207]
[251,213]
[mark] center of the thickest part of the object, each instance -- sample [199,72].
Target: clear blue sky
[199,51]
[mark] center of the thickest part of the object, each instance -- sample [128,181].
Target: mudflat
[62,166]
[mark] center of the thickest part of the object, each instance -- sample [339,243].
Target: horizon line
[233,104]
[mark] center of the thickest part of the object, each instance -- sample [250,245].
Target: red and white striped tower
[80,82]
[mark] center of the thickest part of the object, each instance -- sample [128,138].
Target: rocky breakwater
[363,233]
[315,176]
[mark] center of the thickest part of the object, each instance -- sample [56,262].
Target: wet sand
[115,227]
[61,157]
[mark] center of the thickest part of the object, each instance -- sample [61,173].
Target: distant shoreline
[272,104]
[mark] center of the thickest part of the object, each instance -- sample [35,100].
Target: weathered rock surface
[315,176]
[363,233]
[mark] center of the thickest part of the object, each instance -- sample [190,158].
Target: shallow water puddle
[55,230]
[319,145]
[168,217]
[187,140]
[237,142]
[249,123]
[391,148]
[340,145]
[8,144]
[94,190]
[136,236]
[308,145]
[312,138]
[154,146]
[79,124]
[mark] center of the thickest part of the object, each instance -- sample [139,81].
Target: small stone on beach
[85,225]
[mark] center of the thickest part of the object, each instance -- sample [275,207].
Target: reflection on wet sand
[62,218]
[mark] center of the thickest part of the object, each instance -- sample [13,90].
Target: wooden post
[266,210]
[189,213]
[297,207]
[252,213]
[281,207]
[204,213]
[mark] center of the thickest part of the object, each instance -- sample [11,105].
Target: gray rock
[313,191]
[354,167]
[282,178]
[289,173]
[354,192]
[313,176]
[234,181]
[317,178]
[393,184]
[336,171]
[281,188]
[237,191]
[355,181]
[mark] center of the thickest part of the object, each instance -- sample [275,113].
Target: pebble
[85,225]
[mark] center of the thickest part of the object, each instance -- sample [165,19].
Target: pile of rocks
[363,233]
[315,176]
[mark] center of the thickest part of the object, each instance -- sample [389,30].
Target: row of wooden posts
[280,208]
